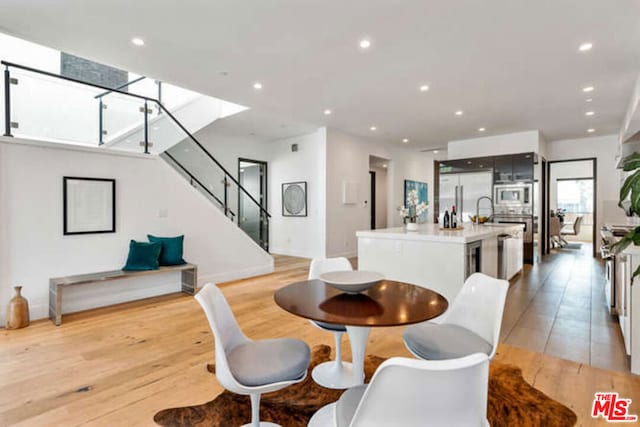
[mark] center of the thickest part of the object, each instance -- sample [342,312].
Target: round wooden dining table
[388,303]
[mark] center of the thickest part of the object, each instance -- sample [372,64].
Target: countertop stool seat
[250,367]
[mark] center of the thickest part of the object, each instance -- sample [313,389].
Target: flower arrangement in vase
[412,210]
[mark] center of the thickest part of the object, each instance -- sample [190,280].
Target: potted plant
[630,189]
[412,210]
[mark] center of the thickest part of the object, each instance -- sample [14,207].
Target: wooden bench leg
[55,304]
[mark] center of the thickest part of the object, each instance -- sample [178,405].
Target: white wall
[604,149]
[33,248]
[496,145]
[348,161]
[299,236]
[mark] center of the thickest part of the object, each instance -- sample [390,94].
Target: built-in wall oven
[513,195]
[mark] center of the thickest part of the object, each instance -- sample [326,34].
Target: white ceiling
[511,65]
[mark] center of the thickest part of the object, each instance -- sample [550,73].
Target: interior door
[252,175]
[448,188]
[474,185]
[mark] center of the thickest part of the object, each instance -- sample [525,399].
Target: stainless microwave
[513,195]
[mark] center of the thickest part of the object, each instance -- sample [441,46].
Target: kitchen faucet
[478,208]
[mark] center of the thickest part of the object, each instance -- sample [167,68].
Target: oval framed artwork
[294,199]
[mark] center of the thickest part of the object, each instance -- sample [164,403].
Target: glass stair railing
[132,118]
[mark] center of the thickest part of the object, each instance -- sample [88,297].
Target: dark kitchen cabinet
[523,167]
[502,169]
[513,168]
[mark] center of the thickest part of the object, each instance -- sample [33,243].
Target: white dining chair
[415,393]
[250,367]
[336,373]
[470,325]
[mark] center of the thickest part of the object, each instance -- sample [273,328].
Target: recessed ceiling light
[584,47]
[459,113]
[424,88]
[591,130]
[373,128]
[588,89]
[257,85]
[481,129]
[241,170]
[327,112]
[435,151]
[589,100]
[405,140]
[469,162]
[137,41]
[589,113]
[365,44]
[384,166]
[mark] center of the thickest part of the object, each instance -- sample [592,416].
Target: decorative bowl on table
[351,282]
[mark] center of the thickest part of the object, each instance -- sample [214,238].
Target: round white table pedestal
[334,374]
[324,417]
[358,336]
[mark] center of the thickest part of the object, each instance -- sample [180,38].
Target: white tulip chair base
[324,417]
[334,374]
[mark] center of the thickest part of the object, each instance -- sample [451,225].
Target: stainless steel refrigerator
[463,190]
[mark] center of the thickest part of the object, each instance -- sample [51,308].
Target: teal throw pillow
[172,248]
[143,256]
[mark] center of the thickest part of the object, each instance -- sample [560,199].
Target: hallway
[558,307]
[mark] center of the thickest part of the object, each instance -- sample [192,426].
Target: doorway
[572,200]
[252,176]
[378,167]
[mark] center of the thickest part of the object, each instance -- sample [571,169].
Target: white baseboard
[293,253]
[236,275]
[349,254]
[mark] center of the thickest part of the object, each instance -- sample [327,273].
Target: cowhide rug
[512,402]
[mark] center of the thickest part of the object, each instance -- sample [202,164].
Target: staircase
[130,119]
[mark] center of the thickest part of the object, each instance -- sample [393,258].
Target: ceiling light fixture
[327,112]
[384,166]
[435,151]
[591,130]
[137,41]
[459,113]
[589,100]
[257,85]
[405,140]
[585,47]
[365,44]
[481,129]
[588,89]
[424,88]
[373,128]
[589,113]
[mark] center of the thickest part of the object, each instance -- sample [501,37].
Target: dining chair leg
[338,339]
[255,410]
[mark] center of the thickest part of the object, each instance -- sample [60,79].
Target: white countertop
[432,232]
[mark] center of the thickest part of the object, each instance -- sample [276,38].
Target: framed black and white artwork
[89,205]
[294,199]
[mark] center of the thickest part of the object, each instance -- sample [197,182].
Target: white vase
[412,226]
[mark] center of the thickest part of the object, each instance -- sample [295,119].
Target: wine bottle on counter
[445,220]
[454,217]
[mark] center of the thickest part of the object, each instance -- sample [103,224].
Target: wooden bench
[56,285]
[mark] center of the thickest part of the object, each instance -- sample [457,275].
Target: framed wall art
[89,205]
[294,199]
[421,188]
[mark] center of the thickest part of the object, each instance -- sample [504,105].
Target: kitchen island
[438,259]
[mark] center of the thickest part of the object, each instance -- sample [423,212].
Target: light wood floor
[118,366]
